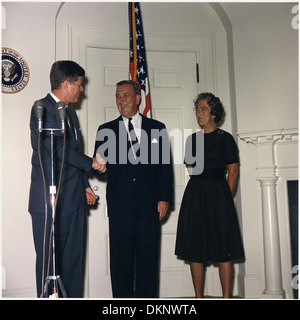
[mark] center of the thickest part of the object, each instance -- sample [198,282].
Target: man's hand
[162,208]
[90,196]
[99,163]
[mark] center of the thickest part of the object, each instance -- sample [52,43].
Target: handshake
[99,164]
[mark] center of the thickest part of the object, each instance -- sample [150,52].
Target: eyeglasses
[202,110]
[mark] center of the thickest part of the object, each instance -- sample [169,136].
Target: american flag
[137,58]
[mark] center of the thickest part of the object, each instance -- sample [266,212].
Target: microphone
[61,108]
[39,109]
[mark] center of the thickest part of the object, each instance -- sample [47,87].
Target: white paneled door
[173,87]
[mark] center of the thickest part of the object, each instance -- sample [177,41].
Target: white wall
[34,40]
[265,62]
[266,78]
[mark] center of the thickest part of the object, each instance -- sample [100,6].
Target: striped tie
[133,138]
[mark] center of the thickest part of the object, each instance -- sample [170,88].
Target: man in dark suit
[72,194]
[139,190]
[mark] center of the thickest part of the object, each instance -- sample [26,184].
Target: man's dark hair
[65,70]
[135,85]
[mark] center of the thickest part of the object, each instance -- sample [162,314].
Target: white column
[272,258]
[266,175]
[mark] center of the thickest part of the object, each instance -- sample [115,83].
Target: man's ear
[138,99]
[65,84]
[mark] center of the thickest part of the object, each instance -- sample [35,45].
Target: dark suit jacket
[139,185]
[74,180]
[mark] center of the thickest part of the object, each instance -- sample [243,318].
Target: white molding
[265,141]
[28,292]
[287,134]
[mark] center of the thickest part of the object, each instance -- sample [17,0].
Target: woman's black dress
[208,228]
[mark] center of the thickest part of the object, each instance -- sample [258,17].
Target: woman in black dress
[208,228]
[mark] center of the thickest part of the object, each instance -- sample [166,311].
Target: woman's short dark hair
[214,102]
[65,70]
[135,85]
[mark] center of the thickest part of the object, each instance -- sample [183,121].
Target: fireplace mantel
[273,161]
[266,142]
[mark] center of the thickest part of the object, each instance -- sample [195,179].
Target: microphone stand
[56,278]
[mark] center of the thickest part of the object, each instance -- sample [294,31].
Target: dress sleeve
[231,152]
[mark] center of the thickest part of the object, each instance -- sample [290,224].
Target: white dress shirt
[137,124]
[57,100]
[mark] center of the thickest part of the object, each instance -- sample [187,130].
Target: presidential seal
[15,71]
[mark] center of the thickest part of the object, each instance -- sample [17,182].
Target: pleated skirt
[208,228]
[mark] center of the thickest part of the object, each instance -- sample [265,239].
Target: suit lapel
[146,132]
[75,124]
[70,136]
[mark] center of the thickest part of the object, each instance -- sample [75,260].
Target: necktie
[69,120]
[133,138]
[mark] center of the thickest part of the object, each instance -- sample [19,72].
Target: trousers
[70,234]
[134,243]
